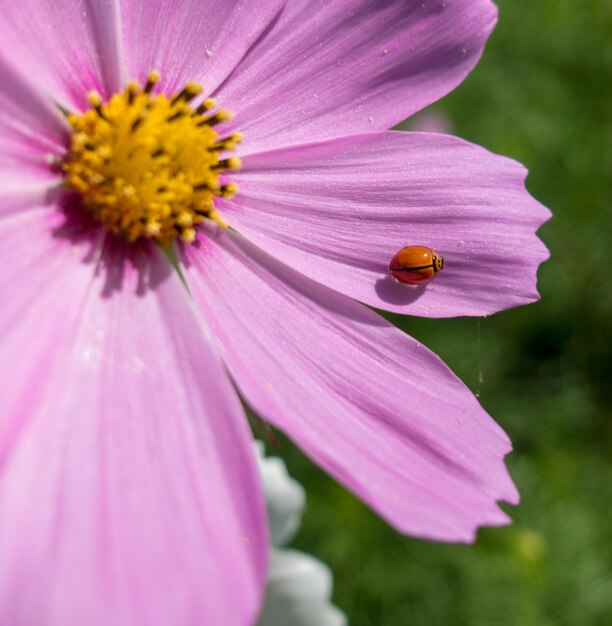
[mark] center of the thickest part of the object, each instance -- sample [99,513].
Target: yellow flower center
[150,165]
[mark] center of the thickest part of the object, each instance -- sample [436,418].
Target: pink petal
[31,128]
[68,47]
[335,67]
[376,409]
[128,488]
[339,210]
[190,40]
[24,196]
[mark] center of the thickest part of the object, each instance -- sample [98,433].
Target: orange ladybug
[415,265]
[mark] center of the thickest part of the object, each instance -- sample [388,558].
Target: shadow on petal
[107,253]
[393,292]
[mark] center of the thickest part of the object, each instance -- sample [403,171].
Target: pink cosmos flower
[128,487]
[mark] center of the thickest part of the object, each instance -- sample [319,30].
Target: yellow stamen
[153,79]
[148,165]
[207,105]
[188,235]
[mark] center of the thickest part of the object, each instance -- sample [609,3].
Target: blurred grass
[543,95]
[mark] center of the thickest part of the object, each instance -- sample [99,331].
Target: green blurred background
[543,95]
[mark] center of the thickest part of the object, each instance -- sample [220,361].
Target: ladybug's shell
[413,265]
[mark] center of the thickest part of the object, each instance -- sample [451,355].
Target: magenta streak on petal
[339,210]
[190,40]
[376,409]
[68,47]
[335,67]
[128,489]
